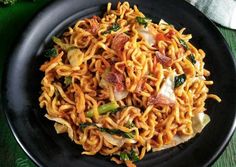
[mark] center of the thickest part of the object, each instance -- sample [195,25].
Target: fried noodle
[122,85]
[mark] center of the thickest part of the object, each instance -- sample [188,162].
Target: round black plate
[36,135]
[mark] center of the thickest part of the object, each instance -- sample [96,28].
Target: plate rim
[31,25]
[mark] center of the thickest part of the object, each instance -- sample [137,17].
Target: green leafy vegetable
[192,59]
[50,52]
[103,109]
[8,2]
[129,156]
[124,156]
[179,80]
[115,27]
[86,124]
[117,132]
[67,80]
[107,130]
[143,21]
[133,156]
[183,43]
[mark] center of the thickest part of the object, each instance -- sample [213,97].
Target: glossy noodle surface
[122,86]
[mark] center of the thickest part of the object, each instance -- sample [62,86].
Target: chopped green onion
[50,52]
[179,80]
[103,109]
[192,59]
[67,80]
[183,43]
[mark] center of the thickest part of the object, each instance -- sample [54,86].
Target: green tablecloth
[12,22]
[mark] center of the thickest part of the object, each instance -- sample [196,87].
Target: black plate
[36,134]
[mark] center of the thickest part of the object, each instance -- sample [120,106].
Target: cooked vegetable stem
[117,132]
[103,109]
[107,130]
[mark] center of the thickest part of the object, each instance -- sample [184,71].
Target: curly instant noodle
[122,85]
